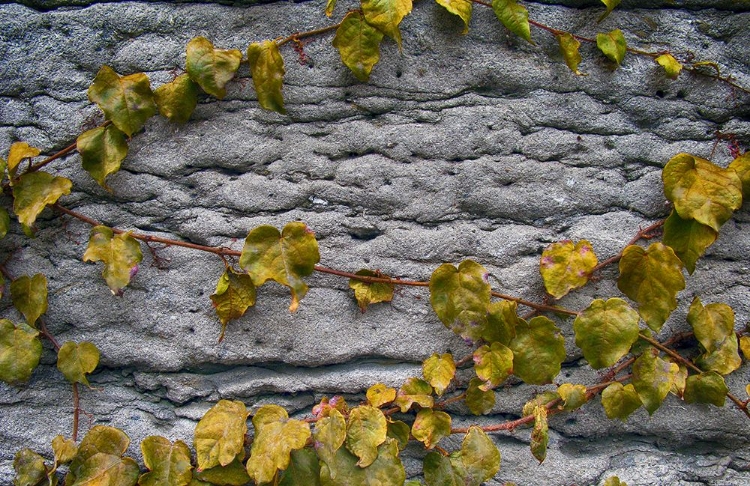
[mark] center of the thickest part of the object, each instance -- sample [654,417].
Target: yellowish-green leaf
[678,385]
[430,426]
[540,434]
[386,470]
[75,361]
[400,431]
[605,331]
[439,370]
[569,47]
[4,225]
[493,364]
[652,379]
[34,191]
[211,68]
[303,469]
[613,45]
[538,350]
[29,296]
[330,5]
[358,44]
[614,481]
[233,474]
[544,398]
[652,278]
[745,347]
[386,15]
[102,151]
[120,253]
[177,99]
[414,390]
[479,456]
[514,17]
[460,297]
[220,434]
[283,257]
[18,152]
[127,101]
[379,394]
[20,350]
[461,8]
[610,4]
[99,459]
[701,190]
[713,326]
[65,449]
[30,468]
[168,463]
[235,293]
[267,69]
[329,435]
[566,266]
[741,166]
[366,429]
[688,238]
[672,66]
[573,396]
[502,320]
[620,401]
[708,387]
[477,400]
[368,293]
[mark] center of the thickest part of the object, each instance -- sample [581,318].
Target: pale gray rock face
[478,146]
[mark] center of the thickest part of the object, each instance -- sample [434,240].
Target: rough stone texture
[478,146]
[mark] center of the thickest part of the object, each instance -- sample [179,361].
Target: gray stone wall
[478,146]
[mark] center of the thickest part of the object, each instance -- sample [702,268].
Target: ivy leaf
[399,431]
[619,401]
[120,253]
[573,396]
[701,190]
[605,331]
[708,387]
[177,99]
[330,5]
[439,370]
[329,435]
[672,66]
[386,470]
[479,456]
[276,435]
[460,298]
[678,385]
[565,266]
[652,278]
[102,151]
[614,481]
[358,44]
[75,361]
[745,347]
[713,326]
[610,4]
[493,364]
[65,450]
[430,426]
[652,379]
[386,15]
[303,469]
[267,69]
[4,224]
[613,45]
[99,459]
[235,293]
[233,474]
[169,464]
[366,429]
[20,351]
[414,390]
[370,293]
[514,17]
[462,8]
[502,320]
[34,191]
[477,400]
[741,166]
[544,398]
[29,467]
[220,434]
[538,350]
[569,47]
[29,296]
[17,153]
[127,101]
[283,257]
[540,434]
[211,68]
[379,394]
[688,238]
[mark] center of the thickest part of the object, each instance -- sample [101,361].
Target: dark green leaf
[303,469]
[127,101]
[688,238]
[400,431]
[386,470]
[502,320]
[233,474]
[4,224]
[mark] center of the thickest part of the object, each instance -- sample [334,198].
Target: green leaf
[652,379]
[414,390]
[460,298]
[672,66]
[430,426]
[502,321]
[267,69]
[276,435]
[127,101]
[477,400]
[220,434]
[20,351]
[514,17]
[235,293]
[4,225]
[29,296]
[386,15]
[540,434]
[614,481]
[620,401]
[400,431]
[569,47]
[479,456]
[538,350]
[713,326]
[329,435]
[370,293]
[283,257]
[439,370]
[652,278]
[605,331]
[34,191]
[65,450]
[544,398]
[566,266]
[688,238]
[233,474]
[741,166]
[613,45]
[366,429]
[30,468]
[745,347]
[678,385]
[573,396]
[708,387]
[462,8]
[493,364]
[358,44]
[330,5]
[120,253]
[303,469]
[177,99]
[211,68]
[610,4]
[75,361]
[99,459]
[102,151]
[439,470]
[386,470]
[169,464]
[701,190]
[379,394]
[17,153]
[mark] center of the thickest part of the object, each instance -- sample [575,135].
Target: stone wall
[478,146]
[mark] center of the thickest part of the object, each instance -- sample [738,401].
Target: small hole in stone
[660,94]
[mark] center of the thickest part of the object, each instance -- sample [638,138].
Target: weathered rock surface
[478,146]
